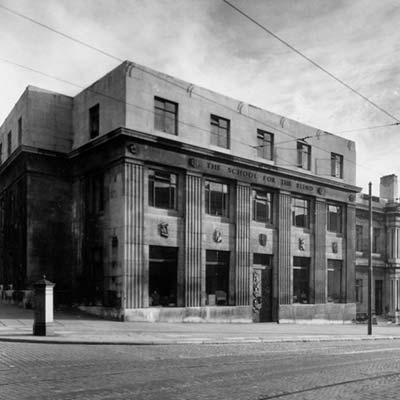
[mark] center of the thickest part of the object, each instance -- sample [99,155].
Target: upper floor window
[94,121]
[9,144]
[19,131]
[335,218]
[162,189]
[165,116]
[265,143]
[336,165]
[303,155]
[217,199]
[262,206]
[220,131]
[376,233]
[359,238]
[301,212]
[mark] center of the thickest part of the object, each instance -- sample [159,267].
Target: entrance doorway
[378,297]
[262,288]
[163,276]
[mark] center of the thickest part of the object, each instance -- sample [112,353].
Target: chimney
[388,188]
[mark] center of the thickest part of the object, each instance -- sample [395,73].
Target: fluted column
[320,252]
[133,263]
[193,261]
[284,253]
[242,254]
[349,265]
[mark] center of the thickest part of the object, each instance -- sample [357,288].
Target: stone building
[145,197]
[385,252]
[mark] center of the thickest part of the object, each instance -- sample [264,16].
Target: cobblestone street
[345,370]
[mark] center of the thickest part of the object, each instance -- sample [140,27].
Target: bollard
[43,322]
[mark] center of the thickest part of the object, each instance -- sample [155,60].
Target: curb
[161,342]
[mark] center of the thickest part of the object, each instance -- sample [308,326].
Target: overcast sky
[209,44]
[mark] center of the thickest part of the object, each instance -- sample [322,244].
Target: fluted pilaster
[134,269]
[193,261]
[284,253]
[320,252]
[242,255]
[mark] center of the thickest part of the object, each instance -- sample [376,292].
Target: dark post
[370,260]
[43,322]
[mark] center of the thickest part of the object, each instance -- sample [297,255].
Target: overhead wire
[298,52]
[105,53]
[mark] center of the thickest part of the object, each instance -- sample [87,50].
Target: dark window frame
[158,181]
[265,144]
[94,121]
[334,280]
[218,276]
[19,131]
[165,116]
[359,238]
[336,165]
[297,206]
[303,155]
[220,131]
[260,199]
[301,280]
[211,198]
[333,224]
[376,234]
[9,143]
[359,290]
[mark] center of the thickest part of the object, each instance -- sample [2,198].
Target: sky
[208,43]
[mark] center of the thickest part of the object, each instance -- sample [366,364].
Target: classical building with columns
[148,198]
[385,252]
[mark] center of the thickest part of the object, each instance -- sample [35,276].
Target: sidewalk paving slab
[71,327]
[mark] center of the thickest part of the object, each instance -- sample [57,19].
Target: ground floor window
[217,277]
[163,276]
[334,281]
[301,280]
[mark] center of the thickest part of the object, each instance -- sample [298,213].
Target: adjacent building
[145,197]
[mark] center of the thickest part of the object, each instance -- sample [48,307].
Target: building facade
[385,291]
[145,197]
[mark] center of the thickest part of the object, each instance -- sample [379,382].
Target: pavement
[73,327]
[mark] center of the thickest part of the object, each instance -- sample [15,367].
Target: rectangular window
[335,218]
[217,199]
[165,116]
[163,274]
[262,206]
[9,144]
[301,280]
[336,165]
[375,240]
[162,189]
[220,131]
[359,238]
[19,131]
[303,155]
[94,121]
[359,290]
[265,144]
[1,153]
[301,212]
[217,277]
[334,281]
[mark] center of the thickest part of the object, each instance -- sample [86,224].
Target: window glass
[217,277]
[300,212]
[334,223]
[94,121]
[165,116]
[359,290]
[336,165]
[262,206]
[217,199]
[264,144]
[162,189]
[219,131]
[9,143]
[301,280]
[303,155]
[359,238]
[375,240]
